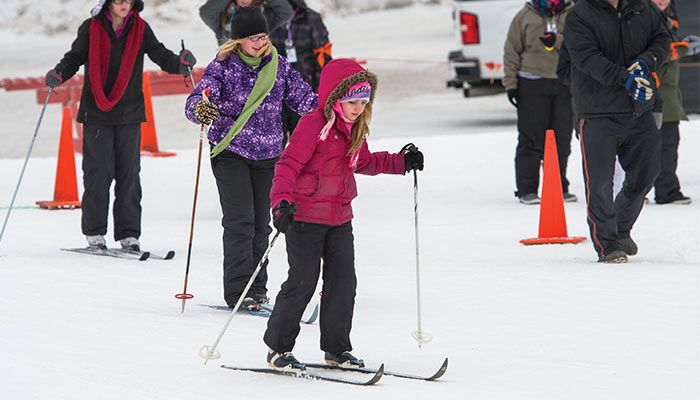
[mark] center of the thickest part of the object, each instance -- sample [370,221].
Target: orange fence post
[65,195]
[149,140]
[552,216]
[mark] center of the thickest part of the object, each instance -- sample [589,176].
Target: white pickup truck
[480,29]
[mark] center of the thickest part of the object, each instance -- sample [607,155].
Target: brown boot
[615,257]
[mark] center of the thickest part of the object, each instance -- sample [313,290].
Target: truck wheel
[466,92]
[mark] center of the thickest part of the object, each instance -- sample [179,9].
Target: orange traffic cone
[149,141]
[552,216]
[65,193]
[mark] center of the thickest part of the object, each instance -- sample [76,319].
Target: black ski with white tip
[314,375]
[116,253]
[168,256]
[440,372]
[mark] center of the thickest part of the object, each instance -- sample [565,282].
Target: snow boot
[96,241]
[615,257]
[570,198]
[284,362]
[530,198]
[629,246]
[343,360]
[130,243]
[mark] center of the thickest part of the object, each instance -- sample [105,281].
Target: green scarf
[263,85]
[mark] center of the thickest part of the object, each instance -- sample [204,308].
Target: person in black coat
[304,42]
[111,44]
[615,46]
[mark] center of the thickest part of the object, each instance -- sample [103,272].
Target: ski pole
[210,352]
[26,160]
[184,296]
[420,336]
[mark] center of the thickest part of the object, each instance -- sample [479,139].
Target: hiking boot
[615,257]
[570,198]
[629,246]
[530,198]
[96,241]
[130,243]
[284,362]
[343,360]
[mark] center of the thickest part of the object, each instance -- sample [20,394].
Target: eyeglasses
[259,37]
[118,2]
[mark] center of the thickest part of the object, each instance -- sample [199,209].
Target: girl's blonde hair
[360,129]
[232,45]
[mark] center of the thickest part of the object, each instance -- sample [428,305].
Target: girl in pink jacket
[312,189]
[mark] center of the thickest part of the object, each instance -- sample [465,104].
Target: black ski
[116,253]
[440,372]
[168,256]
[266,312]
[314,375]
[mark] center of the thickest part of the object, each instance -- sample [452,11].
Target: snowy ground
[516,322]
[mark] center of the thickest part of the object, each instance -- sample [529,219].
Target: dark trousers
[112,152]
[543,104]
[637,143]
[244,192]
[667,188]
[307,244]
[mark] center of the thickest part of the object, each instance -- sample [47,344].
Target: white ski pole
[210,352]
[420,336]
[26,160]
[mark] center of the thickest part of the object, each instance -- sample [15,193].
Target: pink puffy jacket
[317,174]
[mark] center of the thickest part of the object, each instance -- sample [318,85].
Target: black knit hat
[248,21]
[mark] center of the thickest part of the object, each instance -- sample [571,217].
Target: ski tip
[377,376]
[440,372]
[144,256]
[313,317]
[170,255]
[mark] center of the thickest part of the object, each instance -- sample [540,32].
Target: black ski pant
[290,119]
[543,104]
[667,188]
[112,153]
[244,192]
[307,244]
[637,143]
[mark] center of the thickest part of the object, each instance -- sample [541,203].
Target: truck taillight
[469,25]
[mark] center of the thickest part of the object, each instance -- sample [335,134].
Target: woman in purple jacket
[247,84]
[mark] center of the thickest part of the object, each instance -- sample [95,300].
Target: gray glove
[693,44]
[659,119]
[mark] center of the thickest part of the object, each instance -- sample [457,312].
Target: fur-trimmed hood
[103,4]
[336,78]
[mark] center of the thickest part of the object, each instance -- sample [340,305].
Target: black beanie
[248,21]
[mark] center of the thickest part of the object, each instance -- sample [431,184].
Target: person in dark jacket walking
[248,82]
[615,46]
[312,191]
[217,14]
[667,188]
[304,42]
[531,53]
[111,44]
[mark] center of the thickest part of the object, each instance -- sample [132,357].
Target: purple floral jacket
[230,82]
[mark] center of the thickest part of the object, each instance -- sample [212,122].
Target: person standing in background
[217,14]
[531,54]
[304,42]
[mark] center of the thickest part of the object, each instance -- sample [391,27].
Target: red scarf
[98,58]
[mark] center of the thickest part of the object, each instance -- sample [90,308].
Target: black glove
[412,157]
[548,40]
[283,215]
[513,97]
[206,112]
[186,60]
[53,78]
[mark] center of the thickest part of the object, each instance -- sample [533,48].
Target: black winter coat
[308,34]
[602,43]
[130,109]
